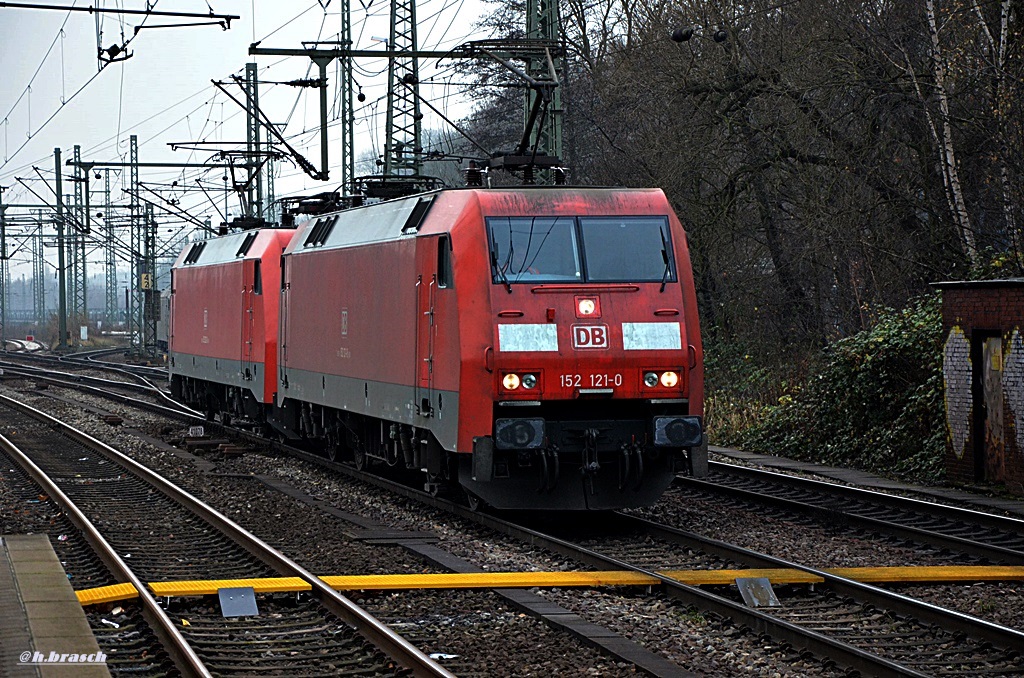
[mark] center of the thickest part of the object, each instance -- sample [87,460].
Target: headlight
[510,382]
[529,381]
[669,379]
[650,379]
[586,306]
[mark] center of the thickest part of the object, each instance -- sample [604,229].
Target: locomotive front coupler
[590,465]
[551,468]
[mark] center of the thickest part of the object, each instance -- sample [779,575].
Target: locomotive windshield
[580,249]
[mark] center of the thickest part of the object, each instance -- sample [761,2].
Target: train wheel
[358,459]
[474,502]
[436,485]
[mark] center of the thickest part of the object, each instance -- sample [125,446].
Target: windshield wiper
[664,255]
[501,273]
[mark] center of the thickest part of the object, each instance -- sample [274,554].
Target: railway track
[124,391]
[445,619]
[93,359]
[870,629]
[986,536]
[90,360]
[130,513]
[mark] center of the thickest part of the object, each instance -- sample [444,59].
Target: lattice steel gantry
[402,147]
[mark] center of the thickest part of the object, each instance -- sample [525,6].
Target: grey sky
[163,93]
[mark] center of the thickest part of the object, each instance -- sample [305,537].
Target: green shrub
[876,403]
[739,381]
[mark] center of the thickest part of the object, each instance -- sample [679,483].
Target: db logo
[590,336]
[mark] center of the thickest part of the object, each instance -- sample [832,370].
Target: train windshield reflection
[583,249]
[627,249]
[534,249]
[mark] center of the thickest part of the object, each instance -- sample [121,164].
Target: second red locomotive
[538,347]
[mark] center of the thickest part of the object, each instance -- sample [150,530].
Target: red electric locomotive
[222,341]
[538,347]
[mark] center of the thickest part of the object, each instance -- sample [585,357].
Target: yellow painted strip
[487,580]
[106,594]
[208,587]
[932,574]
[205,587]
[725,577]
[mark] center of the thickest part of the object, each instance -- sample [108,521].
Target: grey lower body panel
[390,402]
[242,374]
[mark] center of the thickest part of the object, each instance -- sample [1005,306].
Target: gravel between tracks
[773,532]
[698,642]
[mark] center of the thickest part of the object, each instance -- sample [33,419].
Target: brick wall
[970,313]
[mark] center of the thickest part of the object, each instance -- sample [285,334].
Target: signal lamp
[669,379]
[650,379]
[586,306]
[510,381]
[529,381]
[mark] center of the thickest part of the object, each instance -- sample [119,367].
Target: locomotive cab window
[534,249]
[444,261]
[581,249]
[647,259]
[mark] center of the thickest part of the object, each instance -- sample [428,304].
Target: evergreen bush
[876,403]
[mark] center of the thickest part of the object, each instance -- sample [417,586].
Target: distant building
[983,374]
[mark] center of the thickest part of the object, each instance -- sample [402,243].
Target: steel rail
[184,657]
[78,382]
[1008,523]
[139,383]
[932,537]
[950,620]
[375,631]
[82,360]
[90,358]
[869,663]
[760,622]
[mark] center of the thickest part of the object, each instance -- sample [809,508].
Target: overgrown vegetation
[739,380]
[875,403]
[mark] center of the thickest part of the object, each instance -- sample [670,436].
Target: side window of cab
[444,262]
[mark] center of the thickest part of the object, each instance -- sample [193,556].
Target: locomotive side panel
[224,303]
[349,339]
[206,304]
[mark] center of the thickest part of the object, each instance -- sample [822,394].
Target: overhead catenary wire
[212,127]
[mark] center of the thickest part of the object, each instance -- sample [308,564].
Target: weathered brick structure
[983,373]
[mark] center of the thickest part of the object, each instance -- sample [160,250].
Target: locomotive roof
[249,244]
[403,217]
